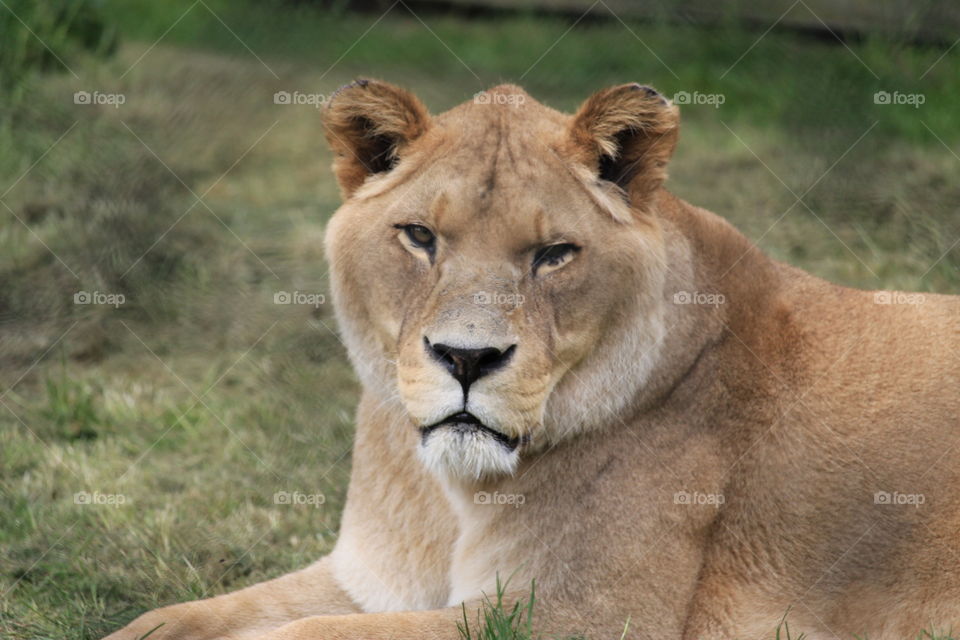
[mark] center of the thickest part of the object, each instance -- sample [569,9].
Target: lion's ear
[627,134]
[367,123]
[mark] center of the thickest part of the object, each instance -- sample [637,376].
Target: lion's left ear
[367,124]
[627,134]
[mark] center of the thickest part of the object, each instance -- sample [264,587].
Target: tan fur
[700,470]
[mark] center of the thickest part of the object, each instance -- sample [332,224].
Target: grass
[496,620]
[183,410]
[499,620]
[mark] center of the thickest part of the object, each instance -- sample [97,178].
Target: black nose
[468,365]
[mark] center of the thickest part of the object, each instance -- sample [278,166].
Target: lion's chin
[467,455]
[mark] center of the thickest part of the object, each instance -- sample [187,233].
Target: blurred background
[169,364]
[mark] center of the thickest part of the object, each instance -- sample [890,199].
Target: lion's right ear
[367,124]
[627,134]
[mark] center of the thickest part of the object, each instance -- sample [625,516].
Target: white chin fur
[467,456]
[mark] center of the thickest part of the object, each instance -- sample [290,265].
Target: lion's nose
[469,365]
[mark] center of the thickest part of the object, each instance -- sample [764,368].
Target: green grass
[497,620]
[198,398]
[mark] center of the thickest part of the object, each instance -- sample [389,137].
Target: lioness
[572,376]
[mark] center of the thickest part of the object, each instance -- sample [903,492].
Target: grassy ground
[199,199]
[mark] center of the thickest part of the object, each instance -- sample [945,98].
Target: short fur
[712,440]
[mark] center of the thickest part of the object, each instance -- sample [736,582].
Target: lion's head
[497,267]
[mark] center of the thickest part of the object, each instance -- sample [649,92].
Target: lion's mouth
[465,422]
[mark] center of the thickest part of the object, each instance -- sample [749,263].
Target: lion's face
[493,281]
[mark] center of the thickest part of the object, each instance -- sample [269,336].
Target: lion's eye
[419,236]
[553,256]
